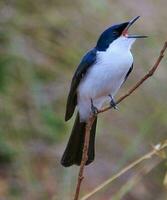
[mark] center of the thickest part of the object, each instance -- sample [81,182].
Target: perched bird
[97,79]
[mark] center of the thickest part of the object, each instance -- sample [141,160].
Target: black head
[114,32]
[109,35]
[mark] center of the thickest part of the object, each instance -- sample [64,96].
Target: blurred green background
[41,43]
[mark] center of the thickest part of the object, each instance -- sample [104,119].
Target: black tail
[73,152]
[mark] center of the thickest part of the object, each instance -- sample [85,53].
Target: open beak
[125,31]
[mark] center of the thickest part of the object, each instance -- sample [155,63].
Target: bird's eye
[115,33]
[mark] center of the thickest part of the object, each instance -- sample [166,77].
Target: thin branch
[92,118]
[150,73]
[156,150]
[135,179]
[84,155]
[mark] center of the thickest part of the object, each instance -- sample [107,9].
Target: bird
[97,79]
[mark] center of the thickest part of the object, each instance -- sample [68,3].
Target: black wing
[130,70]
[84,65]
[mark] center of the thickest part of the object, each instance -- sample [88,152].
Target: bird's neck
[122,44]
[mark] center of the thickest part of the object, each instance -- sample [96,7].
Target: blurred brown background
[41,43]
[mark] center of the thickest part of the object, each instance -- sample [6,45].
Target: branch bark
[92,118]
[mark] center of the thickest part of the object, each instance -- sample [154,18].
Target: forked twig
[92,118]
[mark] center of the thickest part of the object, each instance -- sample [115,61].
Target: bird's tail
[73,152]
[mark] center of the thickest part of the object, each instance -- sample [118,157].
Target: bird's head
[115,32]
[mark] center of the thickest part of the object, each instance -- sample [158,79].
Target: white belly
[103,78]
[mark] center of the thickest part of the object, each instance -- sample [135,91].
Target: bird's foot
[93,108]
[112,102]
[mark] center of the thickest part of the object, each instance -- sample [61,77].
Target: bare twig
[135,179]
[150,73]
[156,150]
[84,155]
[92,118]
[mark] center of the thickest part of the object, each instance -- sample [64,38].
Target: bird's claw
[93,108]
[112,103]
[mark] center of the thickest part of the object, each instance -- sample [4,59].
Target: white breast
[104,77]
